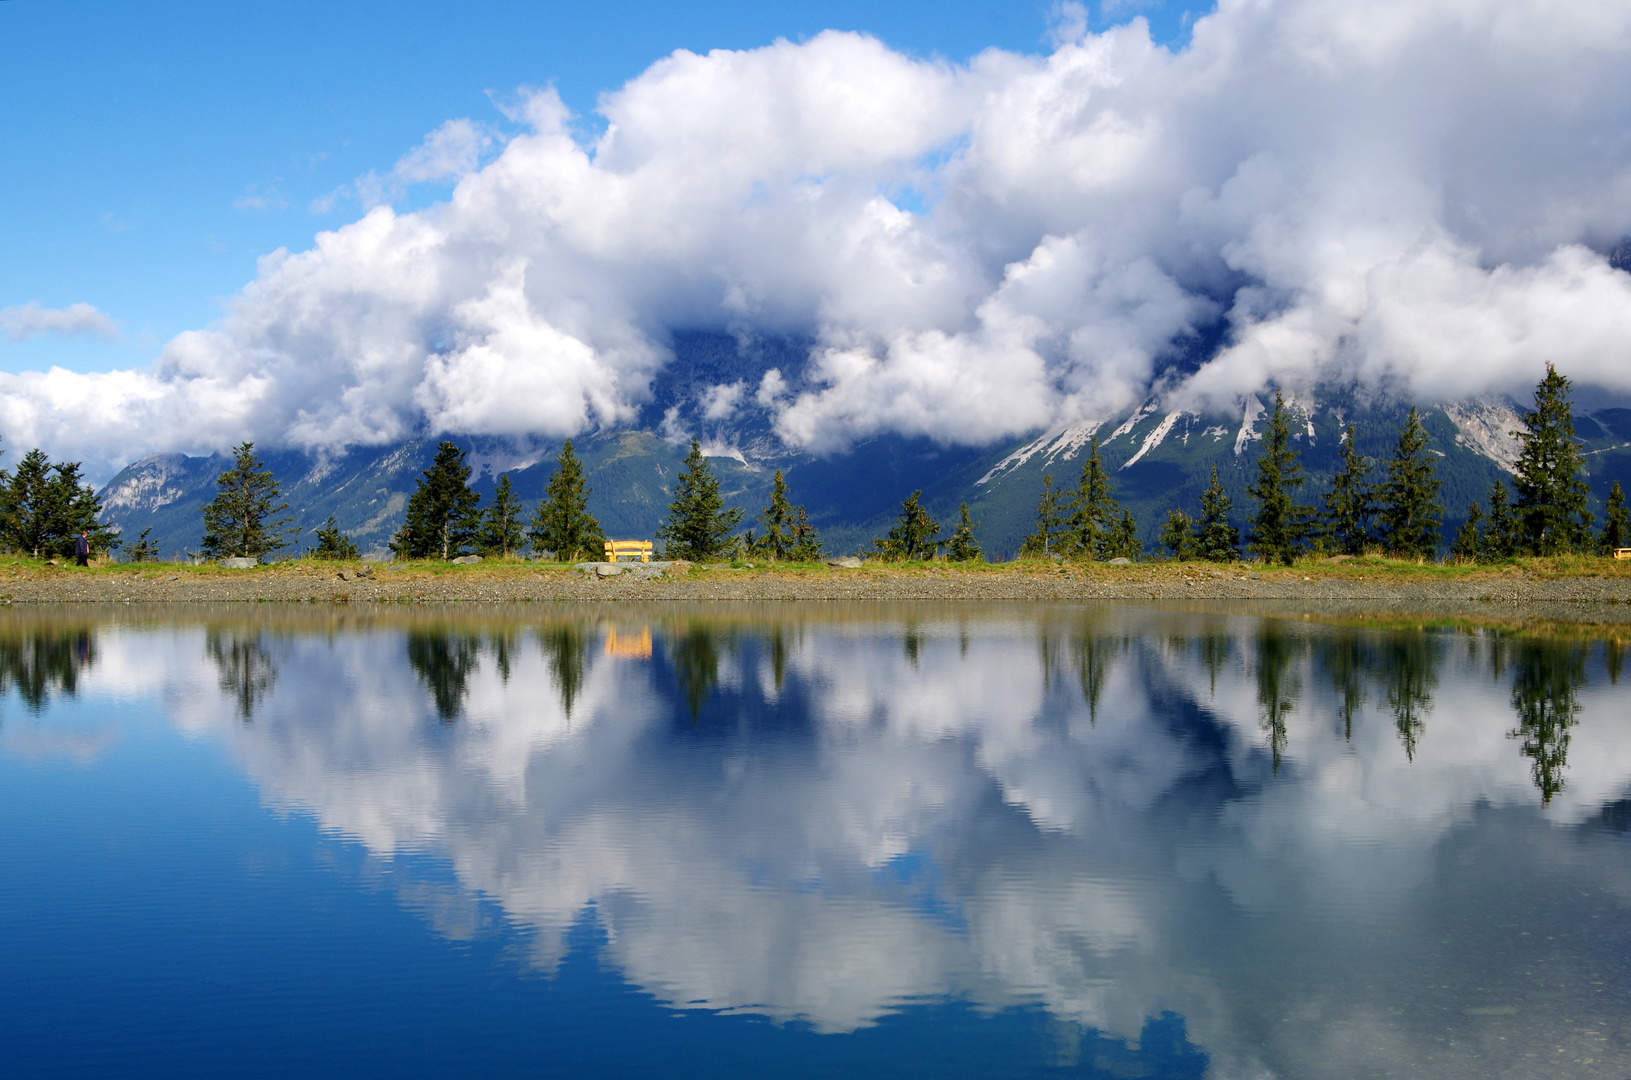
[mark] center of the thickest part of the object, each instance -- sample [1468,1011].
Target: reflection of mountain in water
[1106,814]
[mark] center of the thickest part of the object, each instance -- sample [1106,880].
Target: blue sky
[152,153]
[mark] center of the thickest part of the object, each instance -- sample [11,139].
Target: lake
[823,840]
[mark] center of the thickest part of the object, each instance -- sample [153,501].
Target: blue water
[823,840]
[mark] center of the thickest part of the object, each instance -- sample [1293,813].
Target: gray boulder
[1122,561]
[607,569]
[845,562]
[467,560]
[239,564]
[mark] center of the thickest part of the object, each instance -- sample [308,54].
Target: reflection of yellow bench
[629,646]
[615,548]
[1622,553]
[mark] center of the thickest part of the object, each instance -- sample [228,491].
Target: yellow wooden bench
[615,548]
[1622,553]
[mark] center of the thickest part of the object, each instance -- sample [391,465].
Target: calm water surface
[810,841]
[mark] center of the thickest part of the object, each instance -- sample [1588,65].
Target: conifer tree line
[445,518]
[1391,507]
[1086,522]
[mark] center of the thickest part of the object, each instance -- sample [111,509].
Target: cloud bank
[1407,193]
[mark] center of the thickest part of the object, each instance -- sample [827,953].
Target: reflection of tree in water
[776,646]
[912,642]
[1093,655]
[1545,676]
[40,661]
[1278,685]
[1614,659]
[503,644]
[1343,656]
[566,650]
[245,668]
[1214,655]
[695,655]
[444,662]
[1410,662]
[1048,650]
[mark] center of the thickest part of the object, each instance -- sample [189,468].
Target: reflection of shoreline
[1562,619]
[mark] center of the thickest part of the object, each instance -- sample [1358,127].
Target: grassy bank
[1364,568]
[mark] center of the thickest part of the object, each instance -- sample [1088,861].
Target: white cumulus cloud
[1411,194]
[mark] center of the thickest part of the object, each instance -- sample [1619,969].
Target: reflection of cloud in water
[878,827]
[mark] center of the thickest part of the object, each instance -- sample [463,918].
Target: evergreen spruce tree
[807,545]
[443,513]
[1501,534]
[1178,535]
[77,509]
[1050,522]
[332,544]
[1094,513]
[1280,525]
[1410,510]
[1123,541]
[30,518]
[1469,539]
[1616,525]
[144,550]
[563,525]
[500,532]
[1351,503]
[963,547]
[698,525]
[913,536]
[778,519]
[1216,537]
[1551,504]
[240,521]
[788,533]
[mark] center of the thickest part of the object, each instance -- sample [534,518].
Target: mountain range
[1158,458]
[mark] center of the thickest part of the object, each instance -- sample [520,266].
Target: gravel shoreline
[1598,598]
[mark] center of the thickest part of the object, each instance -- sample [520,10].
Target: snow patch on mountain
[1131,422]
[1248,424]
[1059,442]
[1489,426]
[1156,437]
[722,450]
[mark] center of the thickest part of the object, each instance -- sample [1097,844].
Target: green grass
[1367,567]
